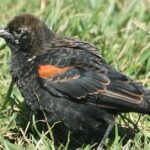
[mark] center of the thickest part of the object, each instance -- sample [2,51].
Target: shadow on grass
[61,136]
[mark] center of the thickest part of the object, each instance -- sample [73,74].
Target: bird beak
[4,34]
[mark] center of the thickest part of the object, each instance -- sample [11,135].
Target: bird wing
[79,74]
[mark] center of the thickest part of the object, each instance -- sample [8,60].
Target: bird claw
[108,130]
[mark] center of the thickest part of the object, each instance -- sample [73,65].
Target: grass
[119,28]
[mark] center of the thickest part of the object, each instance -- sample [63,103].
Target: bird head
[25,33]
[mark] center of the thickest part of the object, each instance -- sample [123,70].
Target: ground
[119,28]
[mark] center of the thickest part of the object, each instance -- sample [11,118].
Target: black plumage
[81,90]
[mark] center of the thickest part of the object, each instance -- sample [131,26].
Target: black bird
[68,79]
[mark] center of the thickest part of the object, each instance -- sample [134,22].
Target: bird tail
[145,106]
[131,97]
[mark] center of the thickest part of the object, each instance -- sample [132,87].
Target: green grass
[119,28]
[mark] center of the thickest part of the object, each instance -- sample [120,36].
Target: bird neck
[20,65]
[24,73]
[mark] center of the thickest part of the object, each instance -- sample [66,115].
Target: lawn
[119,28]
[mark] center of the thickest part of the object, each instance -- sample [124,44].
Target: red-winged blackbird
[67,78]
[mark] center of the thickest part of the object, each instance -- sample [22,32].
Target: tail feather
[125,100]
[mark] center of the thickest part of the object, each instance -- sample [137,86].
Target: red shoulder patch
[48,71]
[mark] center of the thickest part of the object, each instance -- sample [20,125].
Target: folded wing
[79,74]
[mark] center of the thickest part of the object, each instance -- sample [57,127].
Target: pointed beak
[4,34]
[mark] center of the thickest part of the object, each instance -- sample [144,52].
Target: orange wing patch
[49,71]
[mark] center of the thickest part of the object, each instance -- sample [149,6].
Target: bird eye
[18,32]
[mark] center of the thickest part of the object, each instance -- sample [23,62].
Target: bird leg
[108,130]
